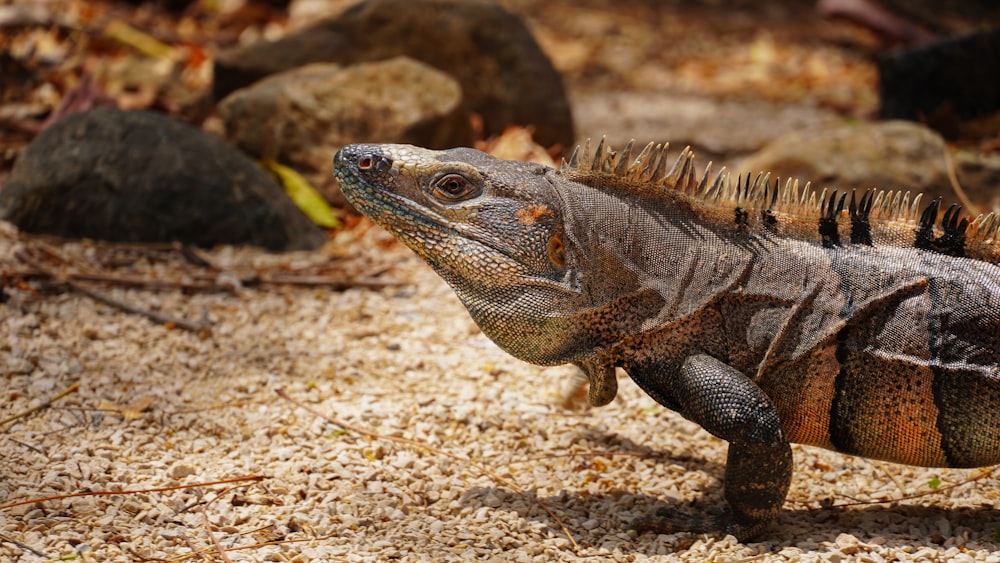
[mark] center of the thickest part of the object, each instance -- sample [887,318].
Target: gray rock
[720,127]
[139,176]
[302,116]
[505,76]
[889,155]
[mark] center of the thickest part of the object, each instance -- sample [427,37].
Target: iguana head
[493,229]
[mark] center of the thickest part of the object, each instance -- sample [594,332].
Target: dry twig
[334,283]
[215,540]
[587,453]
[135,491]
[44,405]
[23,546]
[949,166]
[200,553]
[208,525]
[984,474]
[122,279]
[205,278]
[200,328]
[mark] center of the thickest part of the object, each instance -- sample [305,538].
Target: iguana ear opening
[557,251]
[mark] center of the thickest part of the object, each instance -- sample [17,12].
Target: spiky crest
[876,217]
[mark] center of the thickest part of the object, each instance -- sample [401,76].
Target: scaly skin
[765,314]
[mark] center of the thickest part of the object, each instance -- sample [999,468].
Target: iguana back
[764,312]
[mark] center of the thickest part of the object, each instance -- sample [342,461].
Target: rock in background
[137,176]
[893,155]
[302,116]
[504,75]
[943,83]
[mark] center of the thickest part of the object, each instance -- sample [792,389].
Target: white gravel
[158,408]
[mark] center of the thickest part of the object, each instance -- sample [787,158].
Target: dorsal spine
[871,218]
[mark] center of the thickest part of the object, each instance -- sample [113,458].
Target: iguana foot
[666,520]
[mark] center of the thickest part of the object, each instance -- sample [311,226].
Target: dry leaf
[133,410]
[142,42]
[303,194]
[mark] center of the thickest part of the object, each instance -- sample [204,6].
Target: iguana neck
[634,264]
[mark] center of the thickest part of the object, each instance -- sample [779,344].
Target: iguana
[766,313]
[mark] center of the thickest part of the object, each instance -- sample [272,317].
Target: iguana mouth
[381,202]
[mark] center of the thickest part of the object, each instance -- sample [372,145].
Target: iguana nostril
[365,163]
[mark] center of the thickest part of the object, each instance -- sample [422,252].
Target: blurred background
[807,89]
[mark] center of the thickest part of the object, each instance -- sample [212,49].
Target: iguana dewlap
[765,313]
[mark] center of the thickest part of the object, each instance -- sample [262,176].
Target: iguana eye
[454,187]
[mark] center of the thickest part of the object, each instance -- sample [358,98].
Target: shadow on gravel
[601,521]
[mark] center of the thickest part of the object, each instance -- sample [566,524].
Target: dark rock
[894,155]
[303,116]
[505,76]
[944,82]
[145,177]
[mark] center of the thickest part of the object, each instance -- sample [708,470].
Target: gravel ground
[495,469]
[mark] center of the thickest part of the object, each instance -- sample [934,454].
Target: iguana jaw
[389,209]
[495,249]
[379,182]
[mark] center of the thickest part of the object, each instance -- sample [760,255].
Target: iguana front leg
[730,406]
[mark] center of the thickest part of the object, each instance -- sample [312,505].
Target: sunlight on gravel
[503,473]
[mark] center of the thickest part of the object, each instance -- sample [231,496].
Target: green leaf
[934,483]
[303,194]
